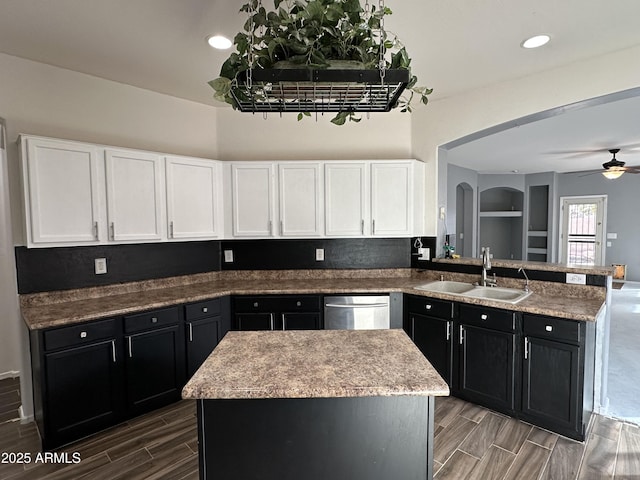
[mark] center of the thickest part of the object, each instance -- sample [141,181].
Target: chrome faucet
[486,265]
[526,282]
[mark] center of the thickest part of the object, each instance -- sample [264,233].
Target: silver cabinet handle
[205,309]
[130,347]
[284,322]
[413,328]
[281,227]
[113,231]
[272,322]
[95,231]
[526,348]
[113,350]
[270,228]
[428,306]
[484,316]
[548,328]
[83,334]
[362,226]
[461,335]
[190,331]
[373,227]
[154,320]
[448,331]
[171,230]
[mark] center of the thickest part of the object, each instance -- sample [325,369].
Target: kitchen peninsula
[315,405]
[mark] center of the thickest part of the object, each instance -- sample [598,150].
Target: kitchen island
[335,404]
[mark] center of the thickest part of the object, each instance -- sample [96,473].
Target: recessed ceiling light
[535,42]
[219,42]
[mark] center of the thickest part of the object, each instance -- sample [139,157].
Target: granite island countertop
[40,315]
[315,364]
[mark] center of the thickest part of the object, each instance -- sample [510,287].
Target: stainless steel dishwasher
[361,312]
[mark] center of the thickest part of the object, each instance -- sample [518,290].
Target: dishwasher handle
[356,305]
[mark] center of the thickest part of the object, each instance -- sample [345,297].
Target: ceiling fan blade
[578,153]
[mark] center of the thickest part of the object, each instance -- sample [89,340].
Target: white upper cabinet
[62,196]
[193,198]
[134,195]
[252,189]
[345,199]
[392,198]
[299,188]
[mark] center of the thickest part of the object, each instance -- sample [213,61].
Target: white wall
[448,119]
[243,136]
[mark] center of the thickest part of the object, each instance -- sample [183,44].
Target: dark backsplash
[64,268]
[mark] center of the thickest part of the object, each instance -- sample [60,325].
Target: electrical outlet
[442,213]
[577,278]
[100,265]
[424,253]
[228,256]
[319,254]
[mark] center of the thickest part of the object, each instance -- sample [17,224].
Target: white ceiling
[456,46]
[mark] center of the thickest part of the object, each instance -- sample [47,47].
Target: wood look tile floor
[471,442]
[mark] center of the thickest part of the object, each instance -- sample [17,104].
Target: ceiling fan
[614,168]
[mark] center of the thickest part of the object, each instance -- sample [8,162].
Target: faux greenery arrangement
[312,34]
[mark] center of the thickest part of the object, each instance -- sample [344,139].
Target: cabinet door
[83,391]
[299,187]
[300,321]
[391,198]
[487,367]
[551,393]
[253,193]
[345,198]
[433,337]
[61,192]
[155,368]
[202,337]
[192,198]
[134,195]
[255,321]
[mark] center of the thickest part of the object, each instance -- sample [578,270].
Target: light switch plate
[319,254]
[100,265]
[228,256]
[577,278]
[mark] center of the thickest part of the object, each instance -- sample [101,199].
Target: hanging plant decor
[318,56]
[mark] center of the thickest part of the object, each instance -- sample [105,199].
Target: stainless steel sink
[463,289]
[509,295]
[446,286]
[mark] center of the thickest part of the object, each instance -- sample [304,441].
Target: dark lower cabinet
[486,357]
[486,367]
[430,326]
[155,368]
[84,391]
[206,324]
[277,312]
[78,375]
[558,372]
[550,383]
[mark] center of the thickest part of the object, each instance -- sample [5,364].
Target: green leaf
[300,116]
[340,118]
[353,118]
[277,3]
[221,85]
[351,6]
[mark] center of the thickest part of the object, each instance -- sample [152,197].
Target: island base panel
[370,438]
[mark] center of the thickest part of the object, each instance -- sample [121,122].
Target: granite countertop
[315,364]
[71,311]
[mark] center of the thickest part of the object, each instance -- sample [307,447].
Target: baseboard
[23,418]
[10,374]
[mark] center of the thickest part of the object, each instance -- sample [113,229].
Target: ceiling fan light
[613,173]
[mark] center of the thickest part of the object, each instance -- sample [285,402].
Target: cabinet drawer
[432,308]
[153,319]
[79,334]
[287,303]
[502,320]
[208,308]
[552,328]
